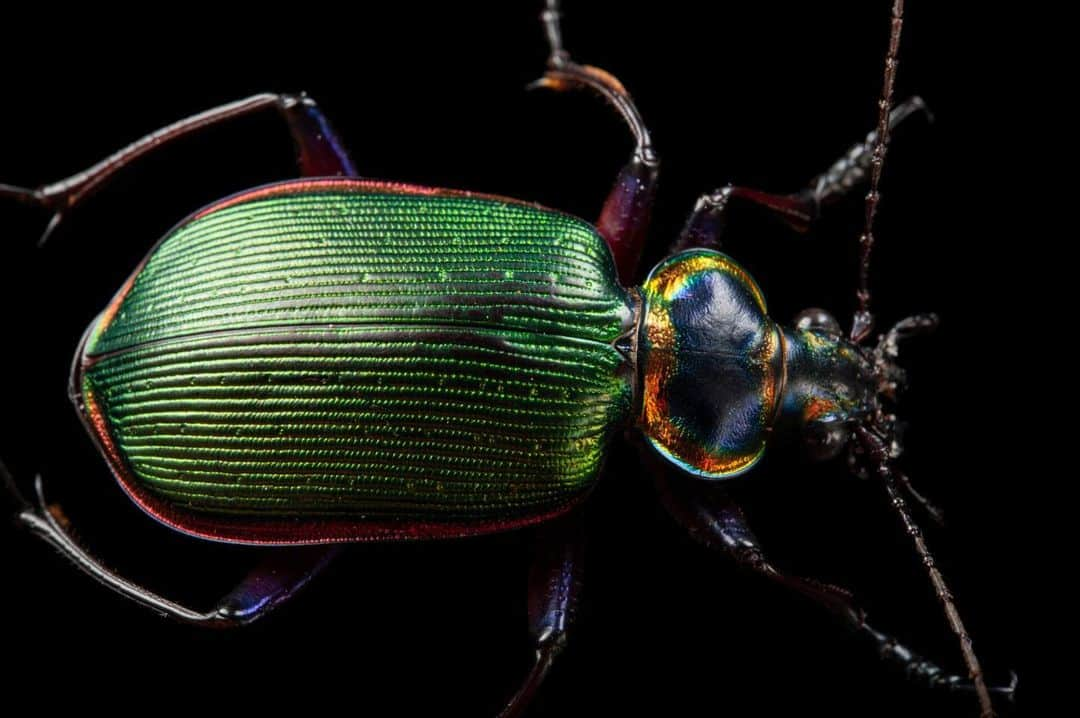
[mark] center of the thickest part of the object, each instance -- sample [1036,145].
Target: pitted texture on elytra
[365,355]
[349,257]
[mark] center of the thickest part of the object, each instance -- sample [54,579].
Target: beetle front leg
[716,521]
[319,151]
[554,585]
[624,218]
[798,209]
[277,578]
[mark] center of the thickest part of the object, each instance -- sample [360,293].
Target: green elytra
[366,355]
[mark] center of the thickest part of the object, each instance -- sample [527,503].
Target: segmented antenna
[875,447]
[864,320]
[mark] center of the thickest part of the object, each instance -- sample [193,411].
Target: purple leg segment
[319,151]
[716,521]
[624,219]
[554,585]
[706,223]
[278,576]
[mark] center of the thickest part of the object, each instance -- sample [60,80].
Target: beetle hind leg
[276,579]
[554,585]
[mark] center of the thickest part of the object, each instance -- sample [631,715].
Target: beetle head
[830,384]
[833,384]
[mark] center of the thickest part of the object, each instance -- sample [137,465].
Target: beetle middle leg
[281,573]
[798,209]
[716,521]
[554,585]
[624,218]
[319,151]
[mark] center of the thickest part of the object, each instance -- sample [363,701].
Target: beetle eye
[815,319]
[824,440]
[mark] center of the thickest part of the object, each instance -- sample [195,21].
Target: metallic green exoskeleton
[334,360]
[361,355]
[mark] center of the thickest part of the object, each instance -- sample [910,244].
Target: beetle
[676,448]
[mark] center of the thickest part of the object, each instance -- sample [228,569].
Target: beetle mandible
[503,364]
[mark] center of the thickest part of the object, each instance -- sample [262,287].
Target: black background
[765,96]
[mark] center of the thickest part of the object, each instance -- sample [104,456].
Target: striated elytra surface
[344,360]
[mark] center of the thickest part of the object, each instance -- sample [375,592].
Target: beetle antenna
[864,319]
[36,198]
[877,450]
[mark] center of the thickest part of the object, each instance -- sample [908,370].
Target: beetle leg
[624,218]
[799,209]
[276,579]
[716,521]
[278,576]
[319,151]
[554,585]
